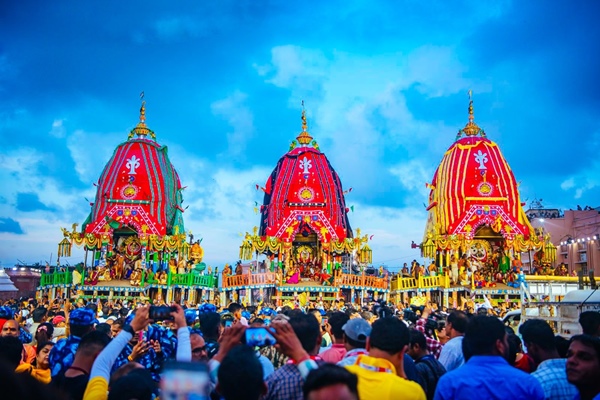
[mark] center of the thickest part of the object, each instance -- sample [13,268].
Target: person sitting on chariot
[489,281]
[293,276]
[172,268]
[478,280]
[181,266]
[127,272]
[103,274]
[161,277]
[77,275]
[278,275]
[463,277]
[136,277]
[91,277]
[510,279]
[151,276]
[499,277]
[326,278]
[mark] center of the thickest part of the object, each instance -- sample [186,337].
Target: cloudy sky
[384,83]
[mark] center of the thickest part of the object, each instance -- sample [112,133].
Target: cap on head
[190,316]
[207,307]
[6,312]
[357,329]
[82,317]
[267,311]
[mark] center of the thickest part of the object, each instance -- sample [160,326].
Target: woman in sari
[40,368]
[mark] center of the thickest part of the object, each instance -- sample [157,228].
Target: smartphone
[142,336]
[228,323]
[185,381]
[324,322]
[161,313]
[259,337]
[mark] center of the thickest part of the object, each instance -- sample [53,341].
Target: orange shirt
[28,354]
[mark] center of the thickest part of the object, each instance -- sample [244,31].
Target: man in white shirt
[451,356]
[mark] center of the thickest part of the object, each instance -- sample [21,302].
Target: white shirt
[451,356]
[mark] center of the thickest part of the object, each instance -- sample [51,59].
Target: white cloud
[58,128]
[295,66]
[222,207]
[413,175]
[234,110]
[568,184]
[393,230]
[21,173]
[90,160]
[436,71]
[38,244]
[357,105]
[583,181]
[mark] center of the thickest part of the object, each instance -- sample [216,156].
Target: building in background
[575,233]
[7,289]
[26,278]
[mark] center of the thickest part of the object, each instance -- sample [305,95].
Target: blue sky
[385,86]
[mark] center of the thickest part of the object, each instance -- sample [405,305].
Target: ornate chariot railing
[56,278]
[250,279]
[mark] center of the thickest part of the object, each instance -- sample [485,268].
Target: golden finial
[471,114]
[143,112]
[471,128]
[141,130]
[304,137]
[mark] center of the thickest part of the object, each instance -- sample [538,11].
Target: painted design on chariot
[482,159]
[132,163]
[129,191]
[485,189]
[306,194]
[492,215]
[306,165]
[316,219]
[134,215]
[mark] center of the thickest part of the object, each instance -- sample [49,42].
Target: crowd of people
[55,349]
